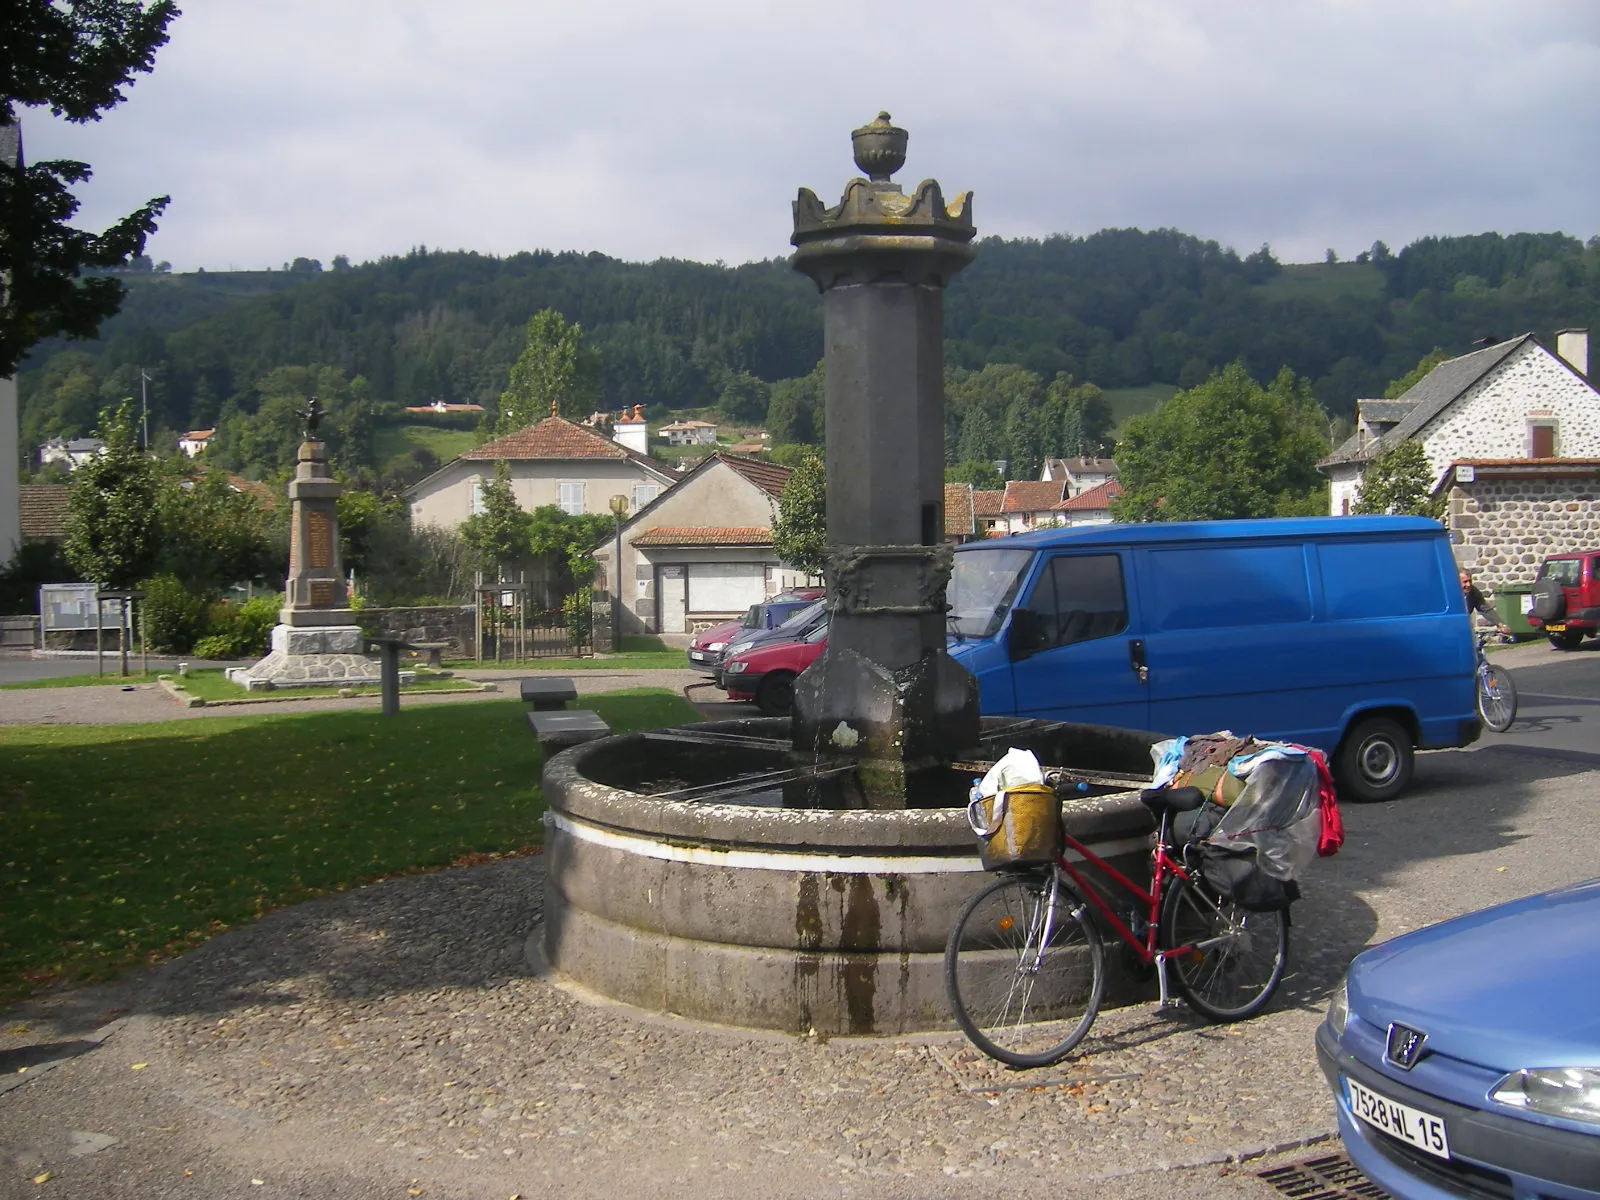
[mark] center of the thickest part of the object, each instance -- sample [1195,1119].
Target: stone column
[885,690]
[317,642]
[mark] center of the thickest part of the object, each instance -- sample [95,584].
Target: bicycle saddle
[1173,800]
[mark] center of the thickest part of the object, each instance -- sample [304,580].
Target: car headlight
[716,645]
[737,667]
[1571,1092]
[1339,1008]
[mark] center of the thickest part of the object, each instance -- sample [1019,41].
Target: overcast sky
[645,129]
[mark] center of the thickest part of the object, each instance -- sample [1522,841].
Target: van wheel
[1375,759]
[1566,640]
[775,696]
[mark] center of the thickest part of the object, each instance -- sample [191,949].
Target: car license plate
[1411,1125]
[699,655]
[1562,628]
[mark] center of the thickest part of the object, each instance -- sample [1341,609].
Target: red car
[707,649]
[1565,602]
[766,674]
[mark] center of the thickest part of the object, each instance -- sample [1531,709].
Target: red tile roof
[668,535]
[1033,495]
[958,514]
[1096,498]
[769,477]
[556,437]
[988,504]
[42,510]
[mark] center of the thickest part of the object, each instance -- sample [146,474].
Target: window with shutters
[569,498]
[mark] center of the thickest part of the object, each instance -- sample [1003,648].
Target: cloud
[644,130]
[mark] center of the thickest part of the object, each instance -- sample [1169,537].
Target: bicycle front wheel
[1024,969]
[1497,698]
[1235,958]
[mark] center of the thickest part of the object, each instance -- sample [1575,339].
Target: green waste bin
[1508,602]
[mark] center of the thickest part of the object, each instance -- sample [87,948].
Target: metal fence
[508,631]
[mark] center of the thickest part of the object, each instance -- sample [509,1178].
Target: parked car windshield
[983,587]
[752,619]
[806,614]
[1566,571]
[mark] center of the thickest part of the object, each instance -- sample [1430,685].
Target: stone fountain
[803,874]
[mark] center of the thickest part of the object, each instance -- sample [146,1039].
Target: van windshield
[804,616]
[983,587]
[752,619]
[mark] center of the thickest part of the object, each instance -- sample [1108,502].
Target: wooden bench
[549,693]
[557,730]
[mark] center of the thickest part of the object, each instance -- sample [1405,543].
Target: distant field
[1126,402]
[396,441]
[1322,281]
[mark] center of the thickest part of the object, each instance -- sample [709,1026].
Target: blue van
[1349,634]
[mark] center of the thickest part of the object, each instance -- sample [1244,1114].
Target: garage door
[726,587]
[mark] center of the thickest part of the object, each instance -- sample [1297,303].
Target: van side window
[1226,587]
[1078,598]
[1388,578]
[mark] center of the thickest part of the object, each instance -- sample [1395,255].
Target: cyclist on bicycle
[1476,603]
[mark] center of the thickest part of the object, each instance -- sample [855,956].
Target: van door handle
[1136,659]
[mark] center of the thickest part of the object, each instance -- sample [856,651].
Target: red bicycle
[1025,963]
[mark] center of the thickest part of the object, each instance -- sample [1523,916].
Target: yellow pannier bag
[1018,828]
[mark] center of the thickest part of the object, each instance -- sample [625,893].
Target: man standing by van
[1477,604]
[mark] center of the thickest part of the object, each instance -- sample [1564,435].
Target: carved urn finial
[880,148]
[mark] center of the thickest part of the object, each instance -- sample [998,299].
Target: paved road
[1558,700]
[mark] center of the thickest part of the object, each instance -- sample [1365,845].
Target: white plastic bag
[1016,768]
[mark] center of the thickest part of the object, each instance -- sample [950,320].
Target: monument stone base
[310,656]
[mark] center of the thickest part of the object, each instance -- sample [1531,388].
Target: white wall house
[1514,400]
[72,452]
[552,462]
[689,433]
[702,552]
[195,441]
[1079,474]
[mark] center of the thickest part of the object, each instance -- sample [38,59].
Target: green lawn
[122,844]
[1126,402]
[390,442]
[60,681]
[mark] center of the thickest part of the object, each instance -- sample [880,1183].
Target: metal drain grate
[1332,1177]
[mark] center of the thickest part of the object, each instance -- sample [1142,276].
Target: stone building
[1505,515]
[1514,400]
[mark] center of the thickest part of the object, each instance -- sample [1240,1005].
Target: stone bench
[549,693]
[557,730]
[434,651]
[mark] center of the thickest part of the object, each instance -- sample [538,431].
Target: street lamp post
[619,509]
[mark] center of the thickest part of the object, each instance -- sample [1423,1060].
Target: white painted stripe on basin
[798,860]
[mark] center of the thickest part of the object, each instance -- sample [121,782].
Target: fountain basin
[739,901]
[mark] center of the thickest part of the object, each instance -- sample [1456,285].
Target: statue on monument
[310,417]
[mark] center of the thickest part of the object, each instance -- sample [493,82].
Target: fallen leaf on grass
[137,1066]
[42,1177]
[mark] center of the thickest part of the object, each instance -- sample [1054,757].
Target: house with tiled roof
[1092,507]
[1079,474]
[1030,503]
[1512,400]
[960,520]
[195,441]
[988,512]
[554,461]
[689,433]
[702,552]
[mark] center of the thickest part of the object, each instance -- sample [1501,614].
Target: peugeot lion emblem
[1405,1045]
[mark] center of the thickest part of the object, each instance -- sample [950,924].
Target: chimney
[1573,345]
[629,429]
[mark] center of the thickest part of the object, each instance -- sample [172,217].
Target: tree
[113,510]
[498,534]
[1228,448]
[74,57]
[800,533]
[556,373]
[743,397]
[980,475]
[1399,481]
[213,535]
[1399,387]
[796,408]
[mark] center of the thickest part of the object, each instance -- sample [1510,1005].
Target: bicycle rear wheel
[1024,969]
[1238,956]
[1497,698]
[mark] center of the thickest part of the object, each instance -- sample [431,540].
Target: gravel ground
[395,1041]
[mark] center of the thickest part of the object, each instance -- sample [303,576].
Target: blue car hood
[1513,986]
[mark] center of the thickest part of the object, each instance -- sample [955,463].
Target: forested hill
[1119,308]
